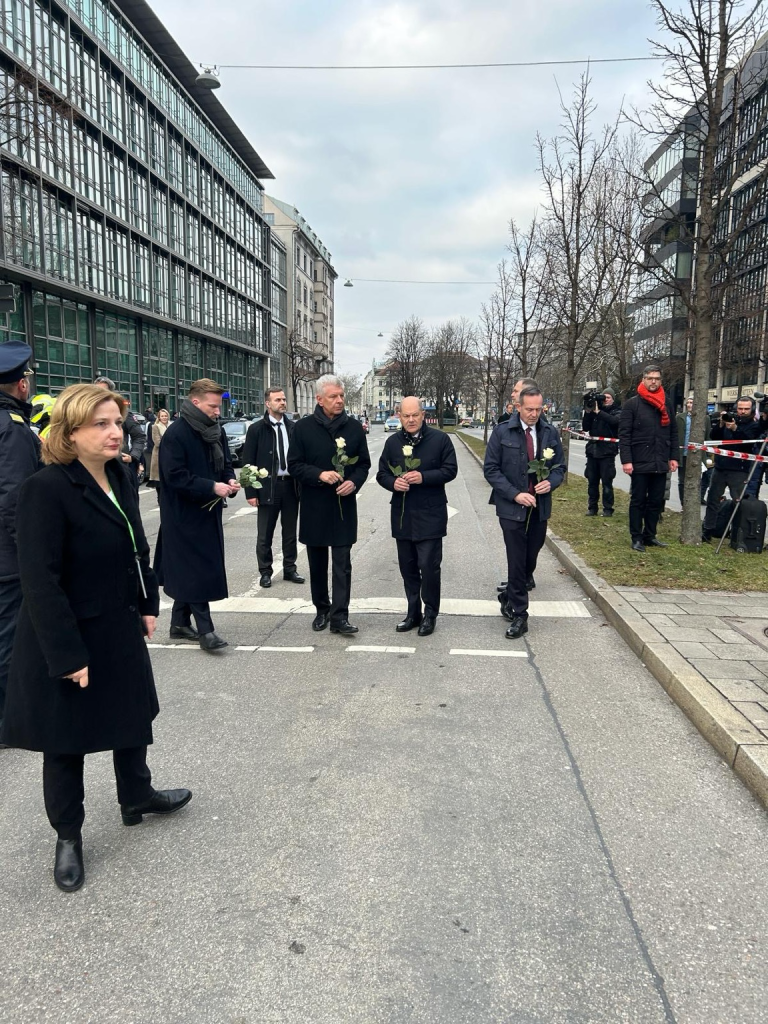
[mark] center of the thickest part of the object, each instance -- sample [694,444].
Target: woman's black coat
[643,441]
[310,454]
[189,555]
[425,511]
[82,607]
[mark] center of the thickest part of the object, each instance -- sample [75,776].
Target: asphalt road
[391,829]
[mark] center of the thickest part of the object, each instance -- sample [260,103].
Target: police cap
[14,357]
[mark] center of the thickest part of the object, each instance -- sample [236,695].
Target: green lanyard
[116,503]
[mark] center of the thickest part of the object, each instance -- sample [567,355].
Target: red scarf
[657,399]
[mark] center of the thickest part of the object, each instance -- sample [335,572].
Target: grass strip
[604,544]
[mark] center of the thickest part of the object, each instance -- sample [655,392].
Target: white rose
[340,442]
[407,450]
[263,473]
[548,453]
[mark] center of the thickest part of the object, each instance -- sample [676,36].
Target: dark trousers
[341,589]
[646,502]
[705,478]
[10,602]
[64,792]
[523,547]
[419,562]
[285,505]
[600,471]
[753,487]
[722,478]
[181,615]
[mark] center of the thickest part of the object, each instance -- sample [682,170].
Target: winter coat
[745,431]
[425,508]
[312,449]
[506,467]
[158,429]
[19,459]
[261,450]
[643,441]
[602,422]
[189,555]
[134,438]
[82,606]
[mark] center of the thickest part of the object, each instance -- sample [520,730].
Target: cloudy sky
[409,175]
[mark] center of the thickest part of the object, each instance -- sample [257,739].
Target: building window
[112,105]
[114,181]
[160,283]
[137,126]
[157,155]
[57,234]
[138,189]
[117,263]
[159,211]
[21,221]
[90,250]
[178,292]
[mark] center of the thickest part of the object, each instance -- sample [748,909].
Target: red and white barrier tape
[701,447]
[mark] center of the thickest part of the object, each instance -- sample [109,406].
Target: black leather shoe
[409,622]
[320,621]
[265,582]
[607,513]
[706,538]
[345,628]
[637,545]
[68,870]
[183,633]
[427,627]
[162,801]
[653,543]
[517,627]
[212,642]
[293,577]
[505,610]
[530,583]
[591,512]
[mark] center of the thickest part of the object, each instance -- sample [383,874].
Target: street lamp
[208,78]
[348,284]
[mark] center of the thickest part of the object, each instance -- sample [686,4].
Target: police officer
[19,459]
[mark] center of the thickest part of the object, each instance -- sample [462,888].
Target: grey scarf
[208,429]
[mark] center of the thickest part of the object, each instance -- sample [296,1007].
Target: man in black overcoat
[196,476]
[267,443]
[648,448]
[419,510]
[328,504]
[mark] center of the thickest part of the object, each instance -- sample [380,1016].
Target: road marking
[288,650]
[250,604]
[452,512]
[174,647]
[489,654]
[247,511]
[382,650]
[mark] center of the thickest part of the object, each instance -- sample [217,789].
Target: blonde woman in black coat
[80,676]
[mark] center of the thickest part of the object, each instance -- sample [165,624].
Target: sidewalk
[706,649]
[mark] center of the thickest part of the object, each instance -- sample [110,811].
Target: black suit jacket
[261,450]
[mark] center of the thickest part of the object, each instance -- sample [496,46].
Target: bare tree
[535,338]
[405,355]
[353,388]
[495,342]
[713,93]
[302,361]
[450,364]
[574,213]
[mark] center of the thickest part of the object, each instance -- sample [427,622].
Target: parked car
[391,423]
[236,431]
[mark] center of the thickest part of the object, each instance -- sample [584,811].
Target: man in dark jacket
[134,438]
[683,437]
[522,498]
[419,509]
[729,472]
[601,420]
[266,446]
[328,505]
[196,475]
[649,449]
[19,459]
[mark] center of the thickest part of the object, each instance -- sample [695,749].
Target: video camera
[762,399]
[592,398]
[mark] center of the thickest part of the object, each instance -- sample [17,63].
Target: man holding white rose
[416,464]
[524,463]
[329,459]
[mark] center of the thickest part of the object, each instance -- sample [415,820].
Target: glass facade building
[131,215]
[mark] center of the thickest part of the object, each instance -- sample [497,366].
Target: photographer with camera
[684,436]
[731,473]
[601,418]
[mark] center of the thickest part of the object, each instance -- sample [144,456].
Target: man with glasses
[648,447]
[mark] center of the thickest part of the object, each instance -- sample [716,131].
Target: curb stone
[742,746]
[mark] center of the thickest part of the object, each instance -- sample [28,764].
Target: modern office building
[308,351]
[131,215]
[662,323]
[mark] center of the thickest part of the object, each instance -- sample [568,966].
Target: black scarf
[208,429]
[412,439]
[333,426]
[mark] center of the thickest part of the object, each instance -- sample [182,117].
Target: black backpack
[748,529]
